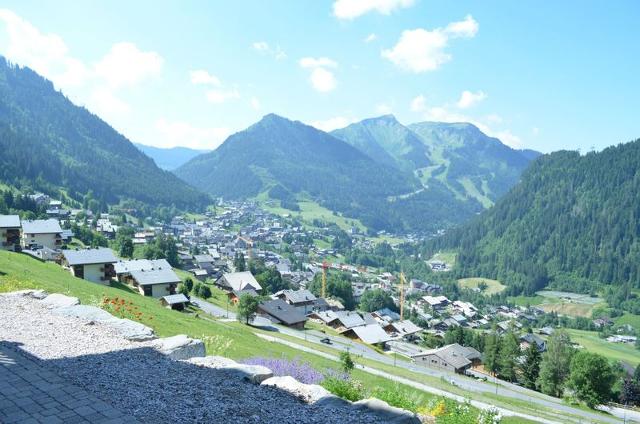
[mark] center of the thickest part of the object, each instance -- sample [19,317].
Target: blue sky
[542,75]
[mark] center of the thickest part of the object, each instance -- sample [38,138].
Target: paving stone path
[31,393]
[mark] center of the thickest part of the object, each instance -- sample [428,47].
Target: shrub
[346,361]
[301,371]
[345,388]
[188,282]
[397,397]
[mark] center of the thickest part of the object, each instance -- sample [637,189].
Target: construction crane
[249,244]
[325,265]
[401,296]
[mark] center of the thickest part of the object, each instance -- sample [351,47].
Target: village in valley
[203,264]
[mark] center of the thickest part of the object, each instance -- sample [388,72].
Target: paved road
[495,386]
[31,393]
[212,309]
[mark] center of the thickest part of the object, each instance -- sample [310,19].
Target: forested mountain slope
[573,222]
[48,143]
[288,158]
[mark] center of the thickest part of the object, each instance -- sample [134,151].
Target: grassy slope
[616,351]
[21,272]
[493,286]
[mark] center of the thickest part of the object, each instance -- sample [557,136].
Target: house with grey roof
[9,232]
[280,312]
[155,283]
[41,233]
[369,333]
[238,281]
[453,357]
[123,269]
[348,319]
[95,265]
[301,299]
[405,329]
[175,301]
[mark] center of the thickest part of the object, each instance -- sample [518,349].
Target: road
[472,385]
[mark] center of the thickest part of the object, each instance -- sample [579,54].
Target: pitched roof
[240,280]
[296,296]
[387,313]
[124,267]
[282,311]
[203,258]
[174,299]
[100,255]
[41,226]
[9,221]
[326,316]
[454,354]
[371,333]
[156,276]
[350,319]
[406,327]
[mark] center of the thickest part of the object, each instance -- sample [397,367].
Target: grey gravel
[139,380]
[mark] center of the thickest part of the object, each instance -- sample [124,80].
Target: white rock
[310,393]
[253,373]
[36,294]
[180,347]
[386,412]
[57,300]
[128,329]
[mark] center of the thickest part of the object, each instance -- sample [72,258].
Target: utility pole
[324,279]
[401,297]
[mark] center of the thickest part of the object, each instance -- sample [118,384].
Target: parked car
[326,340]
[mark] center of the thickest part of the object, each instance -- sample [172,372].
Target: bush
[345,388]
[397,397]
[205,291]
[188,282]
[346,361]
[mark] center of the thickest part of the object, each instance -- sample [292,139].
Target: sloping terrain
[48,144]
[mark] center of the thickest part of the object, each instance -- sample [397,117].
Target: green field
[614,351]
[631,319]
[570,304]
[448,257]
[493,286]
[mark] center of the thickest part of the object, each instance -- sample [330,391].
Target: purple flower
[301,371]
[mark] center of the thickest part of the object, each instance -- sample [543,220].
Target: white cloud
[47,54]
[333,123]
[126,65]
[264,48]
[106,104]
[371,37]
[180,133]
[464,29]
[421,50]
[255,103]
[535,130]
[322,79]
[469,99]
[351,9]
[201,76]
[418,104]
[221,96]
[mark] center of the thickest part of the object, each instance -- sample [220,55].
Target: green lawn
[631,319]
[493,286]
[448,257]
[614,351]
[526,300]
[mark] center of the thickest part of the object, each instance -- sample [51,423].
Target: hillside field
[493,286]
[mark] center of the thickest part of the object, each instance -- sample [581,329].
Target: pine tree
[507,359]
[491,352]
[531,366]
[555,365]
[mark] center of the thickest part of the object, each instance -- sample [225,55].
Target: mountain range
[573,223]
[169,158]
[50,144]
[423,177]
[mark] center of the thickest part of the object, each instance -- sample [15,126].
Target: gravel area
[140,381]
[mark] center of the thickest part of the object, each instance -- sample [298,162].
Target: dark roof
[9,221]
[296,296]
[454,354]
[100,255]
[282,311]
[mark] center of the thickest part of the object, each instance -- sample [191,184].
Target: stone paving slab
[32,393]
